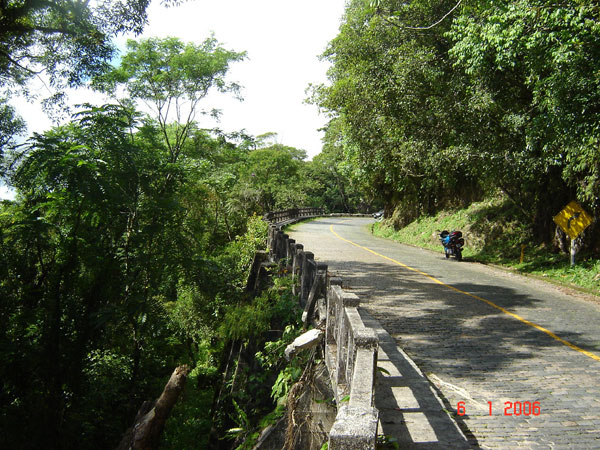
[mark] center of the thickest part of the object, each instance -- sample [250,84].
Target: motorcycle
[453,243]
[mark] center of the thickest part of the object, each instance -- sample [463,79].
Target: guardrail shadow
[474,346]
[410,411]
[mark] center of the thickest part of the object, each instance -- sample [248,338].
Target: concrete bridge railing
[350,347]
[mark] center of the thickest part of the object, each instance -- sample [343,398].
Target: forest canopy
[438,104]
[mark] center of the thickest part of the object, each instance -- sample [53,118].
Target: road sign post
[573,219]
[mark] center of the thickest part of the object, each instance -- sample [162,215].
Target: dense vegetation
[126,249]
[437,104]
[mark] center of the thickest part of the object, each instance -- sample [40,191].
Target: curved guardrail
[350,346]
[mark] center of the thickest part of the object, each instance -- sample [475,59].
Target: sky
[283,39]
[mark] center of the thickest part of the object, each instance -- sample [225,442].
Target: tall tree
[393,100]
[172,78]
[434,103]
[63,41]
[273,173]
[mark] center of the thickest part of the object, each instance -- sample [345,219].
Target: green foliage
[242,419]
[428,114]
[127,248]
[190,314]
[263,376]
[247,321]
[68,40]
[273,173]
[329,183]
[393,104]
[190,422]
[168,74]
[284,382]
[244,321]
[11,125]
[239,253]
[273,357]
[273,353]
[106,267]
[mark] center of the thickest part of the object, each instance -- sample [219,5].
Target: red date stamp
[510,408]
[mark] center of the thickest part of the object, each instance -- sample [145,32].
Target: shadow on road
[410,410]
[468,349]
[429,319]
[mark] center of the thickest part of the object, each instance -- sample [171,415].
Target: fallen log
[150,419]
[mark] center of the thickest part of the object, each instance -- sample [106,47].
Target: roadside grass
[495,234]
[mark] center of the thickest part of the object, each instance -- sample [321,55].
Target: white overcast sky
[283,39]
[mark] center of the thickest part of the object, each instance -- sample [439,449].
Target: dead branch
[150,420]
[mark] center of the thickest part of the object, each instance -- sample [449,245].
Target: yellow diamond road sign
[573,219]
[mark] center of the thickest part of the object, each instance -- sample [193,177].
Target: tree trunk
[150,420]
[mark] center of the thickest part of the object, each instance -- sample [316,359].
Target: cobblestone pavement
[471,351]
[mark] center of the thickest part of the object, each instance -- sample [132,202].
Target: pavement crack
[460,391]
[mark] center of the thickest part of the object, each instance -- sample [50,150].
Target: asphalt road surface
[519,359]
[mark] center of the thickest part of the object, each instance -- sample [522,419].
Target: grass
[495,234]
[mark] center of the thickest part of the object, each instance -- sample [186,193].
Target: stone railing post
[289,251]
[272,238]
[316,290]
[309,270]
[343,332]
[259,258]
[331,310]
[364,367]
[354,429]
[297,266]
[282,245]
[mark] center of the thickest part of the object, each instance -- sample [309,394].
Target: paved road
[482,336]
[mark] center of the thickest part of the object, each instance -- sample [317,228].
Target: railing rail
[289,215]
[350,347]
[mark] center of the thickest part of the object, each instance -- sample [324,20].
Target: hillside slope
[495,234]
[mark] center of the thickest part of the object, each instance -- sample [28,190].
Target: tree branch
[424,28]
[16,63]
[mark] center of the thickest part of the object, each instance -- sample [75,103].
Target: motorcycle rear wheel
[459,256]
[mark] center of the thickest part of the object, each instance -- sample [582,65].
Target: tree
[436,104]
[74,183]
[273,173]
[11,125]
[393,102]
[68,40]
[172,78]
[329,184]
[535,64]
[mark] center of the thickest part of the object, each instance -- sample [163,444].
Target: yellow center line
[492,304]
